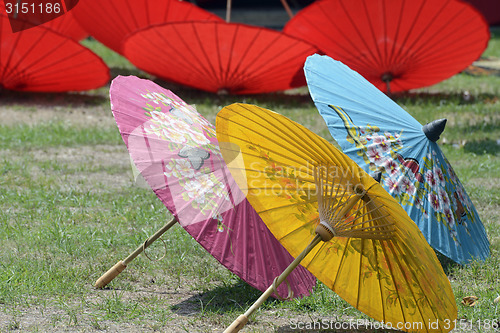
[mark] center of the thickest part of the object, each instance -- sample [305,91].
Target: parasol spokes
[346,210]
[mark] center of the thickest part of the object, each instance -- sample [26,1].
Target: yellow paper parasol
[358,240]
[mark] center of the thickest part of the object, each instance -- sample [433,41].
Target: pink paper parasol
[176,151]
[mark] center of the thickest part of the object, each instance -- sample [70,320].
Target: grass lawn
[70,209]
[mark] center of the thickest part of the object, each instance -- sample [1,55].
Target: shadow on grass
[449,266]
[298,97]
[483,147]
[436,98]
[239,297]
[292,98]
[234,298]
[40,99]
[88,98]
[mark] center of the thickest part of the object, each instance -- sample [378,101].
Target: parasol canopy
[176,151]
[67,25]
[397,45]
[307,192]
[111,21]
[39,59]
[220,57]
[383,138]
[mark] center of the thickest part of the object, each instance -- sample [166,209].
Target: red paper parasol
[397,45]
[176,151]
[38,59]
[68,26]
[111,21]
[220,57]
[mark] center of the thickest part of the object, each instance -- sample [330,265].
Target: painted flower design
[160,117]
[160,98]
[375,138]
[184,168]
[438,173]
[407,186]
[204,184]
[434,201]
[179,123]
[375,155]
[391,167]
[380,141]
[451,174]
[384,146]
[180,126]
[445,199]
[199,138]
[150,97]
[461,193]
[393,186]
[179,168]
[174,136]
[430,178]
[418,202]
[449,217]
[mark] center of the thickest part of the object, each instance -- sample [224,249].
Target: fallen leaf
[469,300]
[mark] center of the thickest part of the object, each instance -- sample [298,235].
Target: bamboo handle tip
[110,274]
[237,325]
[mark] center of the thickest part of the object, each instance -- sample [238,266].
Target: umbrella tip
[222,92]
[377,176]
[387,77]
[434,129]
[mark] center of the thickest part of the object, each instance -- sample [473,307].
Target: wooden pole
[287,8]
[122,264]
[228,11]
[241,321]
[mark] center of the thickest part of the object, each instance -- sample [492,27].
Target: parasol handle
[240,322]
[122,264]
[237,325]
[110,274]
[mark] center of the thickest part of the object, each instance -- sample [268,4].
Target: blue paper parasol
[389,143]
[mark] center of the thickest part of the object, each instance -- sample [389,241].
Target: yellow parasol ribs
[336,220]
[347,218]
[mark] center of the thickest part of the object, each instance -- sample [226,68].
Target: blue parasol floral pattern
[387,142]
